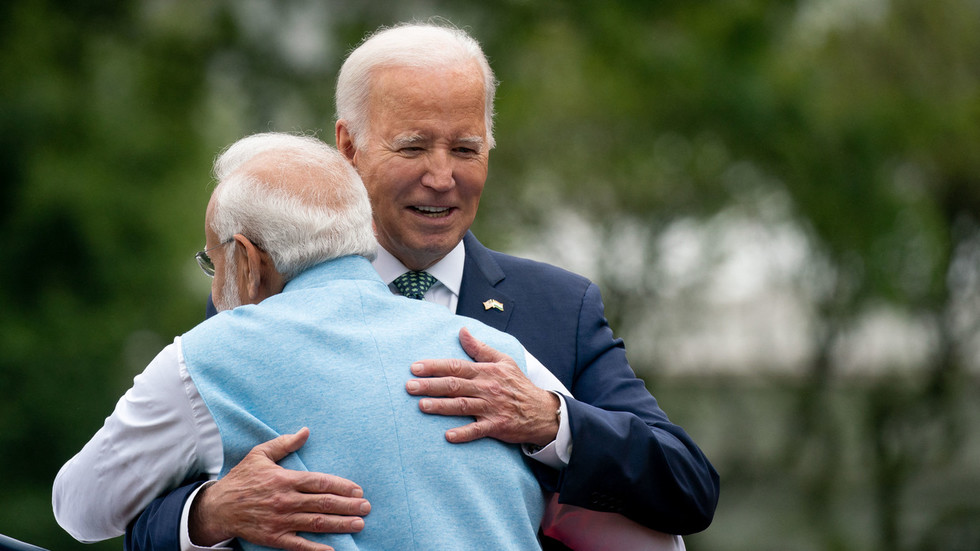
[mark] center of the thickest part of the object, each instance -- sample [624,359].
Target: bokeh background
[779,199]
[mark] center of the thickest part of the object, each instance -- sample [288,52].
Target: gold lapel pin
[493,303]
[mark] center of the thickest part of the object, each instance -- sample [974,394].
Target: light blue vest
[332,352]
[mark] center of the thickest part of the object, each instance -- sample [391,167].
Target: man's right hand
[263,503]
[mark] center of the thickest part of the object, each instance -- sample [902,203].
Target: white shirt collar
[449,270]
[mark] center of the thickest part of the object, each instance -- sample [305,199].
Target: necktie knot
[414,284]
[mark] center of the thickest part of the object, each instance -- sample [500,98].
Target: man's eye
[465,151]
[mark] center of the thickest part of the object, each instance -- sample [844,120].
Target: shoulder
[526,265]
[524,272]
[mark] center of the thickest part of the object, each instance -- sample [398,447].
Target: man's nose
[439,172]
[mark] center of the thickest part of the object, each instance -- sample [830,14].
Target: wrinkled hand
[493,389]
[263,503]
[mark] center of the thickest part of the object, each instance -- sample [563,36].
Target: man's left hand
[493,389]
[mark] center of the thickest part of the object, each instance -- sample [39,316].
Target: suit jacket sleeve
[627,457]
[158,526]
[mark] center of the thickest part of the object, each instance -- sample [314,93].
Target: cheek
[217,285]
[399,174]
[472,186]
[389,186]
[216,279]
[377,179]
[471,176]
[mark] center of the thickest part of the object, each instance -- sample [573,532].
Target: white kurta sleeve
[149,445]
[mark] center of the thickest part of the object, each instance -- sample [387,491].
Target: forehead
[422,100]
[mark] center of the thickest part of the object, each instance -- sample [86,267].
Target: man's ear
[260,276]
[345,143]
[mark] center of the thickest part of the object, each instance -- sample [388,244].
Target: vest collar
[345,267]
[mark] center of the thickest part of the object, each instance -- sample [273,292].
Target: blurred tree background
[780,201]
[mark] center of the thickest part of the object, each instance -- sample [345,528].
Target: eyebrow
[410,140]
[475,141]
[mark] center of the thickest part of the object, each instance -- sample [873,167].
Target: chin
[438,250]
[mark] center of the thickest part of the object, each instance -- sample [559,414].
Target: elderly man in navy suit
[415,113]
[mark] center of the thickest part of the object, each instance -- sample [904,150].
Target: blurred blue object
[10,544]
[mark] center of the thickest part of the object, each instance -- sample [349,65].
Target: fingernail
[412,386]
[425,405]
[365,508]
[451,435]
[357,524]
[357,493]
[416,368]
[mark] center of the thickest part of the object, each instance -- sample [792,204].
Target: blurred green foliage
[864,114]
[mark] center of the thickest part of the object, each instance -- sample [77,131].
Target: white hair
[295,197]
[230,296]
[407,45]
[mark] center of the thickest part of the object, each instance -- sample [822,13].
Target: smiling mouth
[432,212]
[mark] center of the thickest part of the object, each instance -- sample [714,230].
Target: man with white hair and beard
[319,342]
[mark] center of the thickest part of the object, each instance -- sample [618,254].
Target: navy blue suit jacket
[627,456]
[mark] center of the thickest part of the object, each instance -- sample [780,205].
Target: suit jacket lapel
[481,274]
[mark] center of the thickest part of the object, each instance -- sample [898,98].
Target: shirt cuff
[557,453]
[185,533]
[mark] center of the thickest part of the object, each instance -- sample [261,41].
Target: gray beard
[229,290]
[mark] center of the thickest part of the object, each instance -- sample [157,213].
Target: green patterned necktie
[414,284]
